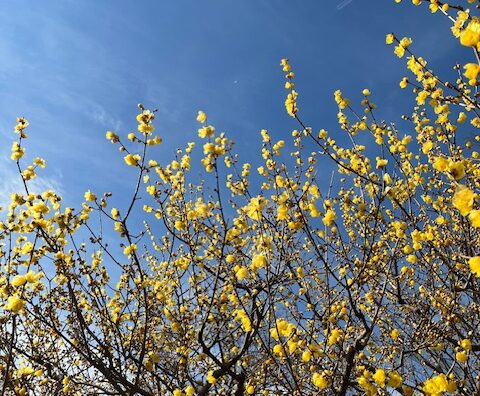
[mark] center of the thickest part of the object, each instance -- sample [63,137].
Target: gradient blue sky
[78,68]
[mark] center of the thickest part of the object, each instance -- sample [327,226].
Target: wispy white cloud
[343,4]
[10,182]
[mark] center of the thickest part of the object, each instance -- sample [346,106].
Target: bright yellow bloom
[201,117]
[19,280]
[381,162]
[306,356]
[395,380]
[463,200]
[379,377]
[474,217]
[320,380]
[210,378]
[132,160]
[130,249]
[466,344]
[389,38]
[471,35]
[241,273]
[438,385]
[112,136]
[440,164]
[427,147]
[259,261]
[456,169]
[146,128]
[471,72]
[255,207]
[335,337]
[461,356]
[89,196]
[14,304]
[329,218]
[474,263]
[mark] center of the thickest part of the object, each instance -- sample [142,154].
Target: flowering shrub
[262,281]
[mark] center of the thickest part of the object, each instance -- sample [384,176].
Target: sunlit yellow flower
[440,164]
[201,117]
[463,200]
[474,263]
[89,196]
[132,160]
[14,303]
[470,36]
[379,377]
[320,380]
[456,169]
[329,217]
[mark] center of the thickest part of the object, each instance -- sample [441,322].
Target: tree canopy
[262,281]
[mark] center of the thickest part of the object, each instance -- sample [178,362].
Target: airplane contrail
[343,4]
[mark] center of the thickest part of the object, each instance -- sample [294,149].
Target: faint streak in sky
[343,4]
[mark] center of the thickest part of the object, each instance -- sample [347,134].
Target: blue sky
[75,69]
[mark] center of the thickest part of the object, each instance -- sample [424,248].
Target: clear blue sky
[78,68]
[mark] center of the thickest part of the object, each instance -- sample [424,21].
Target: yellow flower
[329,218]
[202,117]
[427,147]
[395,334]
[394,379]
[14,303]
[17,151]
[19,280]
[320,380]
[259,261]
[206,131]
[466,344]
[379,377]
[131,160]
[461,117]
[456,169]
[129,249]
[474,217]
[241,273]
[146,128]
[389,38]
[436,386]
[336,336]
[463,200]
[306,356]
[89,196]
[461,356]
[471,35]
[471,71]
[211,378]
[474,263]
[381,162]
[399,51]
[255,207]
[112,136]
[440,164]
